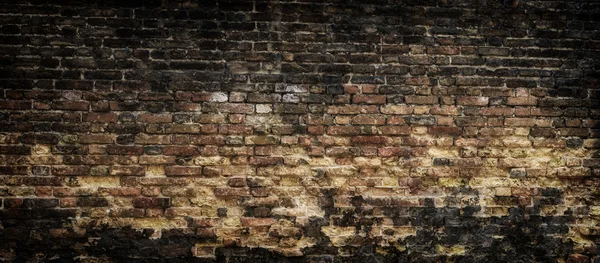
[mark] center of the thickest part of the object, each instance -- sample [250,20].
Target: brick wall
[274,131]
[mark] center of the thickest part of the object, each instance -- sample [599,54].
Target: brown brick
[207,139]
[183,170]
[343,130]
[13,170]
[252,221]
[15,150]
[519,122]
[496,111]
[395,130]
[262,140]
[394,151]
[421,100]
[15,104]
[127,212]
[472,101]
[265,161]
[368,99]
[71,105]
[237,182]
[522,101]
[471,121]
[352,109]
[443,50]
[152,139]
[127,170]
[155,118]
[96,139]
[180,150]
[397,109]
[221,192]
[444,110]
[120,191]
[124,150]
[202,222]
[92,202]
[368,119]
[100,117]
[577,258]
[369,140]
[69,170]
[444,130]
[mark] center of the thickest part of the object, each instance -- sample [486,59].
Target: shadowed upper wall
[299,131]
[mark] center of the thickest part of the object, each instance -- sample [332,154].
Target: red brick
[351,89]
[369,89]
[395,120]
[316,129]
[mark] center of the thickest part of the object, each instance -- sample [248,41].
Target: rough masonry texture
[300,131]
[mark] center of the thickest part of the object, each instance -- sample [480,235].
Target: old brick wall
[299,131]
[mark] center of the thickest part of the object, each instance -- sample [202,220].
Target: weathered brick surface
[299,131]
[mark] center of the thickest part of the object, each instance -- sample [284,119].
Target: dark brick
[146,202]
[16,150]
[92,202]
